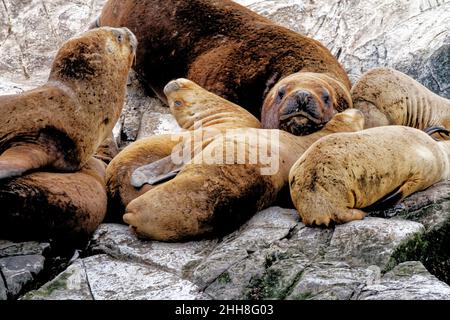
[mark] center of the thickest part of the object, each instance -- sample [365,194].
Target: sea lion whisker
[300,113]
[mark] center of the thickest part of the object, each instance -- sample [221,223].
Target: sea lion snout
[303,112]
[171,87]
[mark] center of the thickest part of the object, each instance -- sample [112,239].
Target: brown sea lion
[234,53]
[62,206]
[344,174]
[194,108]
[389,97]
[213,197]
[60,125]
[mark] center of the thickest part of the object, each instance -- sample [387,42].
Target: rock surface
[20,266]
[273,255]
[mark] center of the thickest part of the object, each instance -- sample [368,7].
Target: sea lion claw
[155,172]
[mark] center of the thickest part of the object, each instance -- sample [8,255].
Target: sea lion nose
[132,37]
[299,101]
[172,86]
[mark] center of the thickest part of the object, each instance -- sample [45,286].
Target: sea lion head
[192,105]
[95,54]
[303,103]
[94,66]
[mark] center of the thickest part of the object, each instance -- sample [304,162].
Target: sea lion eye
[326,98]
[281,93]
[178,103]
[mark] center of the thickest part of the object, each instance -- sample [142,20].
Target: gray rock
[333,281]
[104,278]
[431,208]
[3,291]
[72,284]
[264,229]
[179,258]
[371,241]
[408,281]
[8,248]
[20,271]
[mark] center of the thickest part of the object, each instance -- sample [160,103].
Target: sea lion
[209,197]
[60,125]
[234,53]
[345,174]
[194,108]
[59,206]
[389,97]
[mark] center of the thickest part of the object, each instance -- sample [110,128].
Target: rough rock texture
[20,265]
[273,256]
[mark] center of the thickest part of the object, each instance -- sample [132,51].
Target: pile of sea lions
[262,110]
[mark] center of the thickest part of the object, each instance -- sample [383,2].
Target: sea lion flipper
[17,160]
[155,172]
[388,201]
[436,129]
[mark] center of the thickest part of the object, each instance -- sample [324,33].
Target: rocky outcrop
[274,256]
[20,266]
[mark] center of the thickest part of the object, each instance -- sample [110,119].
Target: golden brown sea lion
[389,97]
[63,206]
[194,108]
[232,52]
[343,174]
[213,197]
[60,125]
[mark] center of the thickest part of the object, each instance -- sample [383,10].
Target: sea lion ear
[350,119]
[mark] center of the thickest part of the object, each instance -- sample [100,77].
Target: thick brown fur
[221,45]
[61,206]
[343,174]
[389,97]
[60,125]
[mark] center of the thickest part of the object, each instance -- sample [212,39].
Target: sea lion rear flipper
[155,172]
[17,160]
[436,129]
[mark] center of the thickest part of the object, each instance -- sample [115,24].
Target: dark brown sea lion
[60,125]
[59,206]
[236,54]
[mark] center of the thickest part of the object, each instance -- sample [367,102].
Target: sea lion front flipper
[155,172]
[17,160]
[387,201]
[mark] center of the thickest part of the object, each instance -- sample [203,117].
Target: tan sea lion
[344,174]
[62,206]
[209,197]
[60,125]
[194,108]
[234,53]
[389,97]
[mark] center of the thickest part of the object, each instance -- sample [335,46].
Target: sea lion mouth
[300,125]
[303,114]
